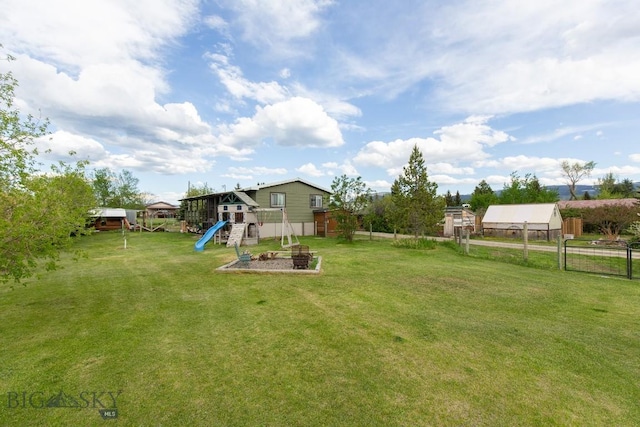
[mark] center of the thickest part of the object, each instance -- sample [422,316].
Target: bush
[415,244]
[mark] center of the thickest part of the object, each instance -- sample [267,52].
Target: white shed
[543,220]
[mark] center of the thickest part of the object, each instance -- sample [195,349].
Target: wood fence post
[525,233]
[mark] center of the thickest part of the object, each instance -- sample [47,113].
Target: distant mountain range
[563,191]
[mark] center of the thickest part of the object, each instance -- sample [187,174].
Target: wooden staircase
[236,235]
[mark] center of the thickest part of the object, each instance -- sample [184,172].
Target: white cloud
[460,142]
[522,163]
[78,34]
[239,87]
[379,185]
[635,157]
[311,170]
[58,145]
[448,168]
[484,62]
[217,23]
[277,24]
[562,132]
[622,171]
[285,73]
[256,171]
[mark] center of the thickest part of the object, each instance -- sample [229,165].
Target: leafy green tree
[117,190]
[574,172]
[526,190]
[609,187]
[38,211]
[626,188]
[418,208]
[482,197]
[611,220]
[349,199]
[378,215]
[103,186]
[193,191]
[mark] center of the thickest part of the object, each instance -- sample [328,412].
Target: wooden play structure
[280,210]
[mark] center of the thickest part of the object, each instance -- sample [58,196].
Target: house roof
[540,213]
[275,184]
[589,204]
[161,205]
[259,187]
[109,213]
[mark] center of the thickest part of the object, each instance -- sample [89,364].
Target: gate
[617,258]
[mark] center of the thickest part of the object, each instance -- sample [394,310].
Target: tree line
[41,210]
[413,207]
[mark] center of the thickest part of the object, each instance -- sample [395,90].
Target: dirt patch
[276,265]
[270,264]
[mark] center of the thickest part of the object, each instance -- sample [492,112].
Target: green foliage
[378,215]
[193,191]
[415,244]
[609,187]
[451,200]
[350,198]
[634,230]
[574,172]
[117,190]
[418,209]
[482,197]
[526,190]
[38,212]
[610,220]
[458,199]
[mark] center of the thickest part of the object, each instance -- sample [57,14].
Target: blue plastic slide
[208,235]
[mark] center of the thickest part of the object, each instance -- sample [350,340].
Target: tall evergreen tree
[458,200]
[448,199]
[418,208]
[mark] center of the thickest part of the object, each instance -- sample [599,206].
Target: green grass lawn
[384,336]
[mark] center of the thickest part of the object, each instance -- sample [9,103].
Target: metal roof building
[543,221]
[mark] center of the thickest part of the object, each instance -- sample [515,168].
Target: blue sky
[233,92]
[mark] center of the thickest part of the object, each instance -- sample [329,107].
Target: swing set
[265,215]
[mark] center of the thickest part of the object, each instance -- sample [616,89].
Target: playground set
[244,226]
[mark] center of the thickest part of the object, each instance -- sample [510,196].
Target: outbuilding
[457,219]
[543,221]
[105,219]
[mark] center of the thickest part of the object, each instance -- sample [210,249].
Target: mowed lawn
[385,336]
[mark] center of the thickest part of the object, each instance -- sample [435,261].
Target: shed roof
[540,213]
[109,213]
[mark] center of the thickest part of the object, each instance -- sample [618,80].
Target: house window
[277,200]
[239,207]
[315,200]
